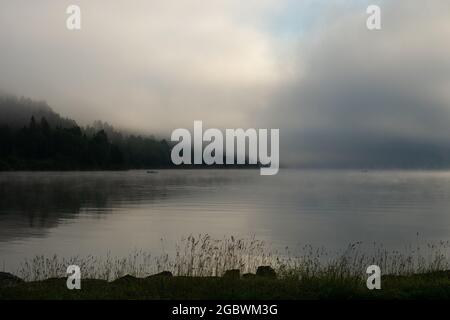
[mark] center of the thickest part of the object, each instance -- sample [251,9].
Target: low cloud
[146,65]
[341,95]
[371,98]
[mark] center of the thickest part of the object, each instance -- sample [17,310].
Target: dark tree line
[16,112]
[39,146]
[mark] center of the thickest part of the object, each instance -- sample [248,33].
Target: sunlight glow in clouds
[310,68]
[155,59]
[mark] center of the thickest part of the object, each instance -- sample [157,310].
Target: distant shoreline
[192,167]
[225,167]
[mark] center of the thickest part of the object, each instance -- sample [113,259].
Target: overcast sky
[338,92]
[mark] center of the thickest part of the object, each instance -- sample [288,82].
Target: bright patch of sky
[296,18]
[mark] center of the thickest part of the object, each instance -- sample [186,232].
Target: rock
[232,274]
[9,280]
[266,271]
[126,278]
[164,274]
[248,275]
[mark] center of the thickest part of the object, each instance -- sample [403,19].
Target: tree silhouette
[39,146]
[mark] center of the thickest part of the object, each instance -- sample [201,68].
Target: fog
[340,94]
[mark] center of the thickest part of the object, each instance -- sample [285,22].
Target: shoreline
[432,285]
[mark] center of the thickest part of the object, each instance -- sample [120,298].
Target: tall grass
[205,256]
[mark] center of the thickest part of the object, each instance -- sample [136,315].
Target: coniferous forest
[60,144]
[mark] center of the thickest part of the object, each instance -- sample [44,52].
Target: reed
[204,256]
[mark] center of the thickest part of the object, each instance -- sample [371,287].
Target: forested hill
[34,137]
[17,112]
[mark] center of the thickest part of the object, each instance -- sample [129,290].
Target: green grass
[418,272]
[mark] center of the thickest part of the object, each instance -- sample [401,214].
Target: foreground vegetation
[426,286]
[201,270]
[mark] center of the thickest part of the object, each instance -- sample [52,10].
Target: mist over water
[81,213]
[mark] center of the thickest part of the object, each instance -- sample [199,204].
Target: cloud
[370,98]
[148,65]
[340,94]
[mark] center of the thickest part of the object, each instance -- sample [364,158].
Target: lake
[81,213]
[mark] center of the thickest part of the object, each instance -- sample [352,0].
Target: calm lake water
[81,213]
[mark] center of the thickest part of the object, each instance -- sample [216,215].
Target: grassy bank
[199,267]
[426,286]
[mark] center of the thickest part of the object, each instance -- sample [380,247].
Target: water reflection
[94,212]
[34,201]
